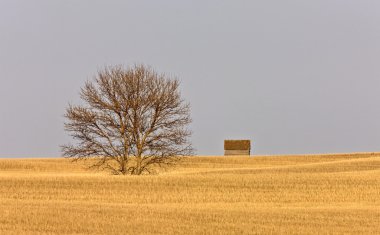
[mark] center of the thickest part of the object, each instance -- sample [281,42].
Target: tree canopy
[133,120]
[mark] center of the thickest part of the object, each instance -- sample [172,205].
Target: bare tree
[134,120]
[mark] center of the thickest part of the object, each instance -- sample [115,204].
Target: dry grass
[334,194]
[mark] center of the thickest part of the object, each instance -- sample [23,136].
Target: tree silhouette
[133,120]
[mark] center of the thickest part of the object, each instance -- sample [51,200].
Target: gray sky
[294,76]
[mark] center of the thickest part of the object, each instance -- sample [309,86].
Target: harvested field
[334,194]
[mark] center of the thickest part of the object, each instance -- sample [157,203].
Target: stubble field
[334,194]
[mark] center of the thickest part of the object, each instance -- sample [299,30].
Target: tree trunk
[123,169]
[138,165]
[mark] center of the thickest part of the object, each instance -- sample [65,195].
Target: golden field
[328,194]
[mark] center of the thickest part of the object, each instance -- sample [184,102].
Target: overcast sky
[293,76]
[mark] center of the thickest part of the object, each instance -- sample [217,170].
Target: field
[329,194]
